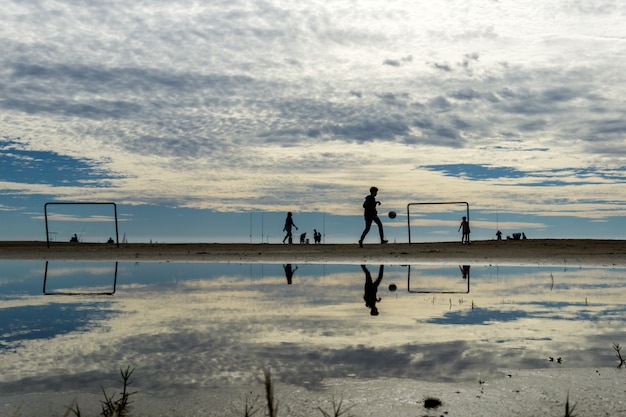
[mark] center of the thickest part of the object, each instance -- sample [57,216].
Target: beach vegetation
[617,349]
[112,407]
[569,410]
[250,407]
[272,403]
[338,409]
[432,402]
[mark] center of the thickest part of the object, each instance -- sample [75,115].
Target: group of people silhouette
[370,214]
[289,225]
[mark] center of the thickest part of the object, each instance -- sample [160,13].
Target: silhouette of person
[303,238]
[371,215]
[465,237]
[499,235]
[371,289]
[74,238]
[317,236]
[289,272]
[288,225]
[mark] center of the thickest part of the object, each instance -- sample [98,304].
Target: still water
[64,324]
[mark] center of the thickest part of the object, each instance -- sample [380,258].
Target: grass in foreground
[110,406]
[119,407]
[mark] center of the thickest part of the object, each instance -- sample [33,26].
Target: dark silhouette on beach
[465,237]
[317,236]
[288,225]
[371,215]
[371,289]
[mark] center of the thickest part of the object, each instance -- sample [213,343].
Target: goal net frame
[76,203]
[408,211]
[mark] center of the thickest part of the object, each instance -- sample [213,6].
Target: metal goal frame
[408,211]
[77,203]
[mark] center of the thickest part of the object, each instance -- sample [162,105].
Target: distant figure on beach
[523,236]
[288,225]
[465,237]
[317,236]
[74,238]
[371,289]
[371,215]
[110,240]
[499,235]
[289,271]
[303,238]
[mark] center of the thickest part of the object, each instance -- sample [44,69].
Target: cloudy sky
[192,113]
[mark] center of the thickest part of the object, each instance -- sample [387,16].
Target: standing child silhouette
[465,237]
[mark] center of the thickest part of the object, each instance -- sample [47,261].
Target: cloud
[205,104]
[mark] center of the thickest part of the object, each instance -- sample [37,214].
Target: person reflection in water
[289,272]
[371,289]
[465,271]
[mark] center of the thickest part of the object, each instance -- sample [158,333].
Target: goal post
[408,210]
[76,203]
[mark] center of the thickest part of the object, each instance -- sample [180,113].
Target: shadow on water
[185,326]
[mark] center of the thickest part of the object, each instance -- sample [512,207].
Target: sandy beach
[572,252]
[517,392]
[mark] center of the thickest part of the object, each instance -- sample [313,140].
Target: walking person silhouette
[288,225]
[371,215]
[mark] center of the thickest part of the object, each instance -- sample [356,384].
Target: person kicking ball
[371,215]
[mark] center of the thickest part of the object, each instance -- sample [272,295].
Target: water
[68,325]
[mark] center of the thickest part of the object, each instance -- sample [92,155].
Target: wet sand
[572,252]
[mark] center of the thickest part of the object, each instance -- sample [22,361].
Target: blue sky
[207,121]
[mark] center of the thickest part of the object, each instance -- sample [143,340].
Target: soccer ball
[392,214]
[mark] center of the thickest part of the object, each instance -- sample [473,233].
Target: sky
[209,120]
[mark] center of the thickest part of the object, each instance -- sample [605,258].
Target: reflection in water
[465,271]
[85,288]
[371,289]
[197,325]
[289,273]
[444,284]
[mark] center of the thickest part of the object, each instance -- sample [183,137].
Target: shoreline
[558,252]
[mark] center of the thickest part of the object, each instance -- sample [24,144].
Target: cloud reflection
[195,326]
